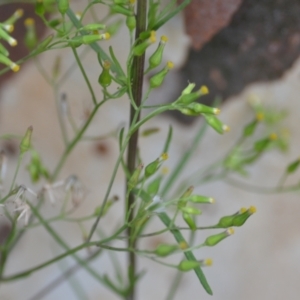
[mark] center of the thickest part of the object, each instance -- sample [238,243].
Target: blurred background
[240,49]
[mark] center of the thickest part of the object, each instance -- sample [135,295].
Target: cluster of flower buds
[237,219]
[126,8]
[147,38]
[186,104]
[188,212]
[6,28]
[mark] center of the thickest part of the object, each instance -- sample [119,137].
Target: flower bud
[132,182]
[262,144]
[216,124]
[63,6]
[187,98]
[153,186]
[154,166]
[16,15]
[140,49]
[4,35]
[206,262]
[240,219]
[188,89]
[156,58]
[191,210]
[217,238]
[131,22]
[201,199]
[201,108]
[30,35]
[188,265]
[165,249]
[189,221]
[105,77]
[250,128]
[184,197]
[157,79]
[93,27]
[6,61]
[227,221]
[25,143]
[88,39]
[39,8]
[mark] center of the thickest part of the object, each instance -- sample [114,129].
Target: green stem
[137,91]
[84,76]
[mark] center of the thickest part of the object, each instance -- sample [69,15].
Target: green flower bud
[156,58]
[7,27]
[184,197]
[131,22]
[240,219]
[132,182]
[217,238]
[201,108]
[187,98]
[188,265]
[201,199]
[4,35]
[121,10]
[157,79]
[216,124]
[261,145]
[188,89]
[6,61]
[191,210]
[93,27]
[188,112]
[154,166]
[165,249]
[25,143]
[227,221]
[63,6]
[291,168]
[39,8]
[88,39]
[105,77]
[140,49]
[206,262]
[16,15]
[250,128]
[153,186]
[30,36]
[189,221]
[54,23]
[151,168]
